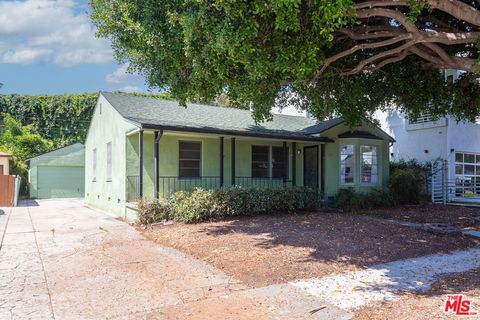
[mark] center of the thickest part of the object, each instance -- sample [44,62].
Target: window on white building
[368,165]
[467,174]
[347,164]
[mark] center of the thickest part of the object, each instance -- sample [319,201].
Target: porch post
[285,162]
[233,161]
[322,167]
[140,163]
[294,164]
[156,166]
[221,161]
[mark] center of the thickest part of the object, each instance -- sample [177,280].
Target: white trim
[376,165]
[354,171]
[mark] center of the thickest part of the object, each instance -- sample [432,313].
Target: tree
[22,142]
[343,57]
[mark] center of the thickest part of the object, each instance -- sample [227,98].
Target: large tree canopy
[343,57]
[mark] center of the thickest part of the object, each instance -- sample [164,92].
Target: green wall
[332,159]
[63,173]
[107,126]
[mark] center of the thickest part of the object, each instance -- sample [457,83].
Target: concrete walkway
[62,260]
[385,282]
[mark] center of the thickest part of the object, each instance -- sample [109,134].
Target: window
[190,159]
[278,162]
[467,174]
[260,161]
[347,164]
[368,165]
[109,161]
[94,165]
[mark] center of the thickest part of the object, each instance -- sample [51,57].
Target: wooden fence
[7,191]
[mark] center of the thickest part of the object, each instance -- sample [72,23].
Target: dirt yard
[266,250]
[429,305]
[464,217]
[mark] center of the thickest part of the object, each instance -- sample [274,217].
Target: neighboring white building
[427,140]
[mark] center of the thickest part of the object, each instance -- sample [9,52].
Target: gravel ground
[385,282]
[430,304]
[265,250]
[459,216]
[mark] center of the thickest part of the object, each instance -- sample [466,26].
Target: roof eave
[237,133]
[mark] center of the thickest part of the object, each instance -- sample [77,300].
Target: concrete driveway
[62,260]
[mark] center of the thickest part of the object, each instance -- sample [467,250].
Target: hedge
[206,205]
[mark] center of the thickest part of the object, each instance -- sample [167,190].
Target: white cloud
[49,31]
[131,89]
[121,75]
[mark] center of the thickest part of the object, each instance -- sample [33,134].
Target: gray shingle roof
[152,113]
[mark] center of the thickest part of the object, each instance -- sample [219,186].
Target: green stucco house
[146,147]
[58,174]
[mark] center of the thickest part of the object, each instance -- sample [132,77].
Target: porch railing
[263,183]
[171,184]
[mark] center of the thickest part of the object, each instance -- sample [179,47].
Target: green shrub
[201,205]
[152,210]
[196,206]
[406,186]
[422,170]
[351,200]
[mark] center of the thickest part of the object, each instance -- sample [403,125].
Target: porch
[160,162]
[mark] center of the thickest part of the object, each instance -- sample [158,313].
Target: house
[4,163]
[455,143]
[146,147]
[58,174]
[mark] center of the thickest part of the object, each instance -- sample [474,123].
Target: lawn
[269,249]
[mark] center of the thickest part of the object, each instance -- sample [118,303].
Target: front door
[1,169]
[310,167]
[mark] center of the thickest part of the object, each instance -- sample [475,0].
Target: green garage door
[60,182]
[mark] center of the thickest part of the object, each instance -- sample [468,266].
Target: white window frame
[109,162]
[374,164]
[462,187]
[341,174]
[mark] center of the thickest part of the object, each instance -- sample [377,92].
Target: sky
[49,47]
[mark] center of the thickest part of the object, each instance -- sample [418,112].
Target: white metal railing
[423,118]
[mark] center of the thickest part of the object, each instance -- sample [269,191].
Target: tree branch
[393,59]
[455,8]
[440,52]
[376,57]
[369,45]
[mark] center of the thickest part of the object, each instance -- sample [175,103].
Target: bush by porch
[204,205]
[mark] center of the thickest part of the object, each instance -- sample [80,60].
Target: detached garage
[58,174]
